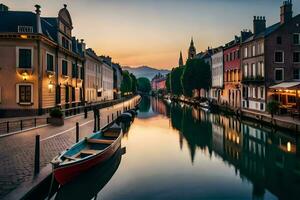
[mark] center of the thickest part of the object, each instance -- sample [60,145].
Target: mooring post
[107,119]
[98,122]
[77,132]
[85,112]
[37,155]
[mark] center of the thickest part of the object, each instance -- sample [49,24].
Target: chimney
[259,24]
[3,8]
[83,46]
[38,18]
[286,11]
[245,34]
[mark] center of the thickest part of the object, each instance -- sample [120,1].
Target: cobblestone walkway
[17,151]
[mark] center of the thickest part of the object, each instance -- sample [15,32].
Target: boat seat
[111,133]
[98,141]
[89,151]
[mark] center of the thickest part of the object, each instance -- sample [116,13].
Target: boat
[90,151]
[87,185]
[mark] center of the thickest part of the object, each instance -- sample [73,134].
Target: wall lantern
[50,86]
[288,146]
[23,36]
[25,76]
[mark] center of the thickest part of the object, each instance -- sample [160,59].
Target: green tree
[273,107]
[197,75]
[126,83]
[143,85]
[176,74]
[133,83]
[168,83]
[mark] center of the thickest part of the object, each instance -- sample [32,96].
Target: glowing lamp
[23,36]
[50,86]
[25,76]
[288,145]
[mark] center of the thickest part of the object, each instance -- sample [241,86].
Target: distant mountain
[145,71]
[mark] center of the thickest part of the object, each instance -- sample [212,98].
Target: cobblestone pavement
[17,151]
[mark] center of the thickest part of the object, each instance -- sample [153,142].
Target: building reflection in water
[270,160]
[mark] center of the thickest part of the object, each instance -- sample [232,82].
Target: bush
[56,113]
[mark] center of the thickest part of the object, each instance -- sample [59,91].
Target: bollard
[37,155]
[98,122]
[107,119]
[34,122]
[85,112]
[21,124]
[77,132]
[7,126]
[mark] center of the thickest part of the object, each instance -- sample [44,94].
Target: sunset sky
[152,32]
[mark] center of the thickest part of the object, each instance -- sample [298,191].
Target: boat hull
[65,173]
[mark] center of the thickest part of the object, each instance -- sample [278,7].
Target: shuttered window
[50,62]
[65,67]
[25,58]
[25,94]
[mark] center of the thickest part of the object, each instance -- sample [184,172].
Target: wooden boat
[87,153]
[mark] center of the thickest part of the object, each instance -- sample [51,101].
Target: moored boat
[87,153]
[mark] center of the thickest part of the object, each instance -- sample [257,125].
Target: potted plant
[273,108]
[56,117]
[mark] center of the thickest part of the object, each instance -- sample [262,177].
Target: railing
[24,124]
[19,125]
[253,79]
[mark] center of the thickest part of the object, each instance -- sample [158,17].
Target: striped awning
[286,85]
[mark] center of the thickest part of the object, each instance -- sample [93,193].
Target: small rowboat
[87,153]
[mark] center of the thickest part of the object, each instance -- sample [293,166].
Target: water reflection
[270,161]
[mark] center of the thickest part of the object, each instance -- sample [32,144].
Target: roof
[264,33]
[10,20]
[286,85]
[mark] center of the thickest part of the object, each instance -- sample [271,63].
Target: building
[158,82]
[41,63]
[192,50]
[217,68]
[117,80]
[93,77]
[107,78]
[271,62]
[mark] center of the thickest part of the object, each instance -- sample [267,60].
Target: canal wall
[17,172]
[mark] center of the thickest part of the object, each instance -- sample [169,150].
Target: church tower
[192,50]
[180,63]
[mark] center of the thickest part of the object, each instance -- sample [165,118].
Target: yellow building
[41,63]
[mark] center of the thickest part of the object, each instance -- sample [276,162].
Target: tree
[168,83]
[133,83]
[176,74]
[126,84]
[273,107]
[143,85]
[197,75]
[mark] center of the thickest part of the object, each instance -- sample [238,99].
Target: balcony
[253,79]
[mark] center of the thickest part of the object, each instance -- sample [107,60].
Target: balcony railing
[253,79]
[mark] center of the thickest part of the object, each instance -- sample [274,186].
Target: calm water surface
[174,151]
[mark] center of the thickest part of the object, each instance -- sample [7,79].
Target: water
[179,152]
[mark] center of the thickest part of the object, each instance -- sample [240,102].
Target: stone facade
[217,74]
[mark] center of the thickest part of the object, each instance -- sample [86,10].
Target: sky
[153,32]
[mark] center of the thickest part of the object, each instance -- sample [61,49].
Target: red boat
[87,153]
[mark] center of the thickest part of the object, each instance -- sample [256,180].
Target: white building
[107,80]
[217,74]
[93,77]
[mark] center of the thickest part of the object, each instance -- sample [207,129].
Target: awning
[286,85]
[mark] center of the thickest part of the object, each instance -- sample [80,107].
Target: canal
[174,151]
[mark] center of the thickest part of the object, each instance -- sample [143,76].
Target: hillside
[145,71]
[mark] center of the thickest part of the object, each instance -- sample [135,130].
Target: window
[296,38]
[279,56]
[74,70]
[245,52]
[65,43]
[261,106]
[297,74]
[246,70]
[262,92]
[279,40]
[50,62]
[253,50]
[296,57]
[24,58]
[24,93]
[279,74]
[73,93]
[67,92]
[253,70]
[64,67]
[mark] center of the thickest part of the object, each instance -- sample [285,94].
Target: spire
[192,50]
[180,60]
